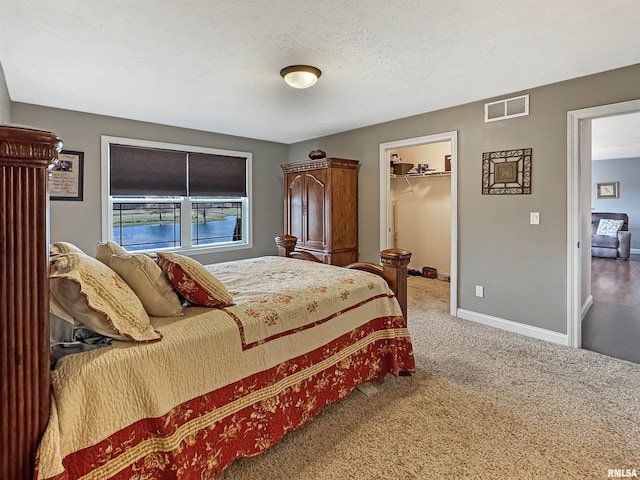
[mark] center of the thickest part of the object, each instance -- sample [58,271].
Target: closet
[421,205]
[321,208]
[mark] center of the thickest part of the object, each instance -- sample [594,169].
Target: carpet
[484,404]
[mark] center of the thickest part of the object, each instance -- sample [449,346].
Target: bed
[211,385]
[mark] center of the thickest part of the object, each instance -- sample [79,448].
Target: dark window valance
[143,171]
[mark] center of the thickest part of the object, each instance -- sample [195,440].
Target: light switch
[534,218]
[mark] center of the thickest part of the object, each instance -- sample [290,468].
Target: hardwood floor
[612,325]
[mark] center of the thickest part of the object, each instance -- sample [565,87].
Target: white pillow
[104,250]
[609,227]
[95,296]
[63,247]
[149,282]
[55,308]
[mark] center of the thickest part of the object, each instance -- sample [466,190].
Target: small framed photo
[607,190]
[66,176]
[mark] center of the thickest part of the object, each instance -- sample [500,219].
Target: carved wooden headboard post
[25,156]
[286,248]
[286,244]
[395,262]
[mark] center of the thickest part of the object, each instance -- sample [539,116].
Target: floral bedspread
[224,383]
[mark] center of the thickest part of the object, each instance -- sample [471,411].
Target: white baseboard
[635,250]
[521,328]
[587,305]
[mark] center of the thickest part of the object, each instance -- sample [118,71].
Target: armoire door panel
[315,191]
[294,214]
[344,205]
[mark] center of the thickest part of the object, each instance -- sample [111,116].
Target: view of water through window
[144,226]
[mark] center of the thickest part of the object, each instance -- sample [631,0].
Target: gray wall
[522,267]
[80,222]
[5,101]
[627,172]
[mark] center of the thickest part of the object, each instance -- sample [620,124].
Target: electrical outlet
[479,291]
[534,218]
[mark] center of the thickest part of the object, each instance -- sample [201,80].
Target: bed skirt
[199,438]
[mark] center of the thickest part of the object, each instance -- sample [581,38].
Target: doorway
[386,207]
[579,299]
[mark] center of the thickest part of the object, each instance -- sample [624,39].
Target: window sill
[197,250]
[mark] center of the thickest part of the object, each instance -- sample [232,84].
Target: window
[160,196]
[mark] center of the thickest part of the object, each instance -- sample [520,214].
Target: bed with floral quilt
[205,385]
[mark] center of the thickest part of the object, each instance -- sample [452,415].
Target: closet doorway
[418,209]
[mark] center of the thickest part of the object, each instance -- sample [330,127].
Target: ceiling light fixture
[300,76]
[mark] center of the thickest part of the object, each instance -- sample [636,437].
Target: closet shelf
[419,175]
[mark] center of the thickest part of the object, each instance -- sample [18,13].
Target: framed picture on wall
[607,190]
[66,176]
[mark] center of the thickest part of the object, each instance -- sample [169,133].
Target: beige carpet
[485,404]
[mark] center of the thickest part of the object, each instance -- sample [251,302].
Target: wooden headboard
[25,156]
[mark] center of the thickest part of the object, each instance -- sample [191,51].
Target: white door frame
[385,205]
[574,267]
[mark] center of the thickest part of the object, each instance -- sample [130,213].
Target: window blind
[147,172]
[217,175]
[143,171]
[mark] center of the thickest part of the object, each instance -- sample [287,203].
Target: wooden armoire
[321,208]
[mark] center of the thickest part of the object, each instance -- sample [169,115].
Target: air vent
[508,108]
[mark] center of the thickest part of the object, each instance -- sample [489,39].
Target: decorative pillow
[193,281]
[63,247]
[609,227]
[97,297]
[104,251]
[149,282]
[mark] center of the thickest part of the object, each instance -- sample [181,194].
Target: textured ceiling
[214,65]
[616,137]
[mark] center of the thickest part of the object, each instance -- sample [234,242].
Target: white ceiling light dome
[300,76]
